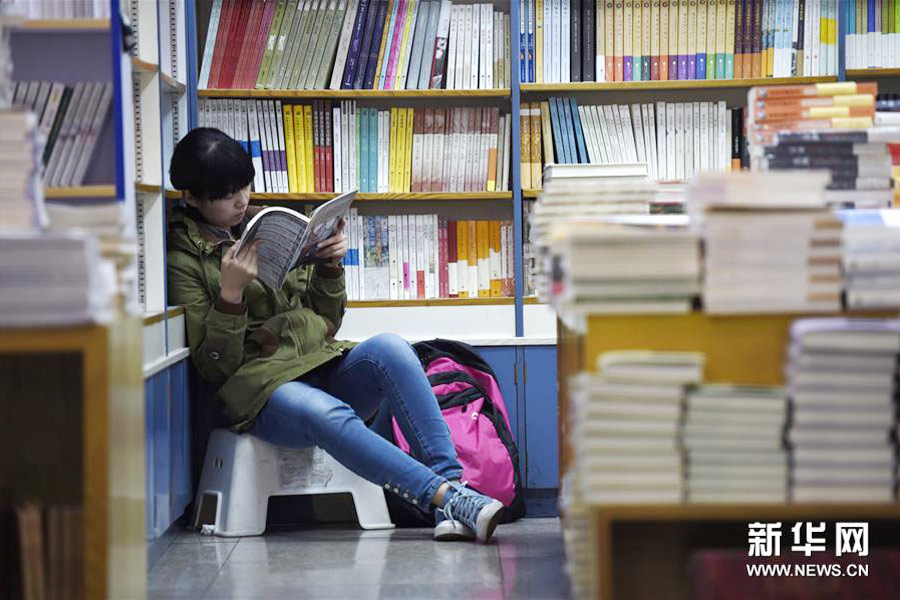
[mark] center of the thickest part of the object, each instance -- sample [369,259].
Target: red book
[473,117]
[451,255]
[317,150]
[329,147]
[259,47]
[228,7]
[233,42]
[246,36]
[443,280]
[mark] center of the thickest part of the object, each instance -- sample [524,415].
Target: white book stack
[54,279]
[21,192]
[771,244]
[579,539]
[871,258]
[626,424]
[622,264]
[842,383]
[734,443]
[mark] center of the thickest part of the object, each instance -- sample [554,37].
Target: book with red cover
[317,146]
[329,147]
[417,139]
[233,43]
[442,149]
[259,46]
[451,254]
[421,235]
[722,575]
[247,37]
[228,9]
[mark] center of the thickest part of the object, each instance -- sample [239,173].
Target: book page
[323,224]
[279,233]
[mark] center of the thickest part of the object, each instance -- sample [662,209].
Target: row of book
[71,118]
[50,553]
[62,9]
[828,127]
[873,34]
[355,44]
[676,139]
[335,147]
[425,256]
[563,41]
[22,193]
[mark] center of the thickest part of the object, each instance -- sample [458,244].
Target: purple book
[366,45]
[372,61]
[628,75]
[355,42]
[673,67]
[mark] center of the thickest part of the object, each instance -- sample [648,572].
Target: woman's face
[224,212]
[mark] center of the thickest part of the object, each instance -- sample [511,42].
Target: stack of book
[592,40]
[579,539]
[71,118]
[871,258]
[829,127]
[62,9]
[339,147]
[51,551]
[676,139]
[627,426]
[54,279]
[771,245]
[409,257]
[842,381]
[355,44]
[733,437]
[21,192]
[872,40]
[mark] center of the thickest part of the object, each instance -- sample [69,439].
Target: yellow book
[310,164]
[525,146]
[636,35]
[494,259]
[407,163]
[546,132]
[399,83]
[770,51]
[483,244]
[462,258]
[536,163]
[288,116]
[384,37]
[538,41]
[300,147]
[393,155]
[472,254]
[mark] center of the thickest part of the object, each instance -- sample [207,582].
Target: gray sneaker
[475,511]
[447,530]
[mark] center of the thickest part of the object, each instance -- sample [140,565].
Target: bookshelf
[643,549]
[354,94]
[64,25]
[872,73]
[662,86]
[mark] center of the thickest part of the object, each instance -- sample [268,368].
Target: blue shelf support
[116,51]
[516,165]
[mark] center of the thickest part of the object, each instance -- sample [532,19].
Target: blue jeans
[328,406]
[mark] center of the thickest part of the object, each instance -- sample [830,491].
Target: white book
[403,256]
[54,98]
[477,47]
[704,137]
[661,148]
[361,267]
[628,132]
[614,146]
[421,255]
[43,91]
[265,138]
[274,142]
[688,143]
[637,127]
[816,69]
[723,139]
[67,132]
[403,68]
[393,246]
[593,154]
[211,32]
[383,158]
[495,260]
[472,263]
[485,148]
[352,253]
[255,146]
[343,48]
[795,37]
[565,43]
[338,145]
[696,135]
[679,141]
[600,39]
[433,257]
[603,134]
[67,170]
[714,139]
[353,150]
[459,139]
[490,43]
[466,46]
[343,150]
[416,154]
[453,46]
[556,42]
[504,252]
[277,116]
[411,255]
[90,142]
[649,130]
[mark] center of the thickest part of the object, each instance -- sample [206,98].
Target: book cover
[609,40]
[535,149]
[406,42]
[482,265]
[579,132]
[495,282]
[628,40]
[692,40]
[665,46]
[701,40]
[619,41]
[224,26]
[422,76]
[209,47]
[343,47]
[646,27]
[655,22]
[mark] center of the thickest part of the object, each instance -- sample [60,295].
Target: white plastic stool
[241,472]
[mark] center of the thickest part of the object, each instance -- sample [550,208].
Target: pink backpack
[472,405]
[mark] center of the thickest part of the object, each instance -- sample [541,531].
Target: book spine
[702,14]
[628,35]
[665,47]
[654,39]
[209,46]
[224,26]
[472,257]
[494,285]
[290,147]
[692,40]
[352,63]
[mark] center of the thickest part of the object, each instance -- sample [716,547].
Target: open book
[288,238]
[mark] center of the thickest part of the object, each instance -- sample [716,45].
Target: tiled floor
[524,560]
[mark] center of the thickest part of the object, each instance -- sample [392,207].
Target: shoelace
[469,505]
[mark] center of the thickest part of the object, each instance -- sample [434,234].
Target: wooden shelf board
[143,67]
[147,188]
[530,193]
[172,85]
[432,302]
[688,84]
[437,93]
[66,25]
[433,196]
[77,338]
[873,73]
[744,512]
[81,191]
[532,300]
[156,317]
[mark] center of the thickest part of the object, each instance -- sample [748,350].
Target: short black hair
[210,165]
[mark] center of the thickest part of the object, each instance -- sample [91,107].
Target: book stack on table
[871,258]
[841,376]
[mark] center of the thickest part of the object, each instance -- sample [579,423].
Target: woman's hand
[237,272]
[331,251]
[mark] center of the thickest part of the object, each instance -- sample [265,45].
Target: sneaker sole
[488,518]
[452,536]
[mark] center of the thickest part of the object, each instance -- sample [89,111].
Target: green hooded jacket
[273,337]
